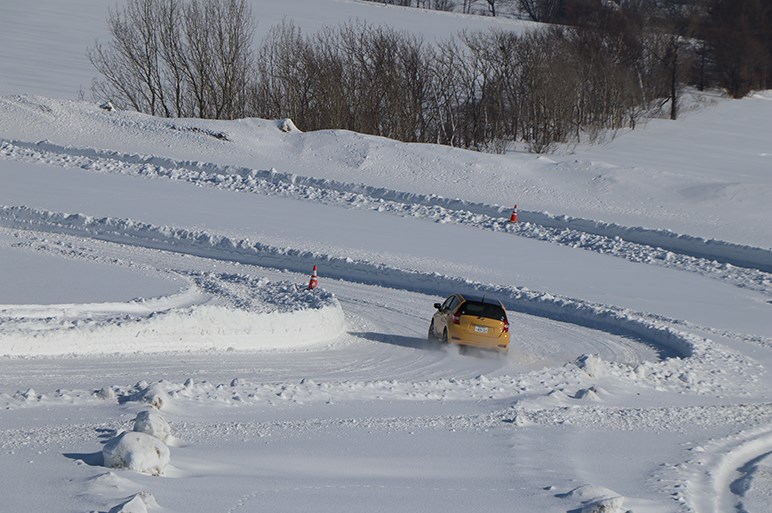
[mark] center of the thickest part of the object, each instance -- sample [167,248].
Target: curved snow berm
[217,312]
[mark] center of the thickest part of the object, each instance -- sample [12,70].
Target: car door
[440,318]
[453,303]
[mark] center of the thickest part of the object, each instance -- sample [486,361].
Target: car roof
[480,299]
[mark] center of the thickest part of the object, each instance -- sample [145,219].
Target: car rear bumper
[500,343]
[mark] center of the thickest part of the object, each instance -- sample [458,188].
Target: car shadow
[400,340]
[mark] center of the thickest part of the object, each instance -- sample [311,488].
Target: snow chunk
[139,452]
[29,395]
[152,423]
[286,125]
[519,419]
[591,364]
[106,393]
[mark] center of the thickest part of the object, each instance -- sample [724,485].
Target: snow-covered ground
[161,351]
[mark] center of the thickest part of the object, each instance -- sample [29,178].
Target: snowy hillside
[161,351]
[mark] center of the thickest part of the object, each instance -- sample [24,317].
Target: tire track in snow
[720,477]
[743,266]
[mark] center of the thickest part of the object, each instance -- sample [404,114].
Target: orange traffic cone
[513,217]
[314,280]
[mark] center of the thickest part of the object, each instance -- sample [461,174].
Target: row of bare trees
[478,90]
[194,58]
[712,43]
[464,6]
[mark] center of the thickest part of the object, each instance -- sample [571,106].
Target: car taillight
[506,327]
[456,319]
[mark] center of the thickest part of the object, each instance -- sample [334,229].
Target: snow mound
[155,395]
[135,451]
[606,505]
[152,423]
[592,394]
[138,503]
[596,499]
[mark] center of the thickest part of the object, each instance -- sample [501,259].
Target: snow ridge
[742,265]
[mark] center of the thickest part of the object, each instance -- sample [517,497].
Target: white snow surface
[161,350]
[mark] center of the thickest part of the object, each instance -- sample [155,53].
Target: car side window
[446,304]
[454,302]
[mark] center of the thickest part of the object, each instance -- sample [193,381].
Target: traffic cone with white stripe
[314,280]
[513,217]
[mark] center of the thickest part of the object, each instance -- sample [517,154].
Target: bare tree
[177,58]
[539,10]
[129,64]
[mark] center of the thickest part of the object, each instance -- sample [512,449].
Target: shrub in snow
[136,451]
[152,423]
[136,504]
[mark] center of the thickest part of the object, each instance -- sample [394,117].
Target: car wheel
[431,336]
[445,336]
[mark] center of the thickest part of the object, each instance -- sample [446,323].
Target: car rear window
[486,310]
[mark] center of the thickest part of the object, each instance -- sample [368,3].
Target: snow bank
[136,451]
[636,243]
[193,329]
[228,312]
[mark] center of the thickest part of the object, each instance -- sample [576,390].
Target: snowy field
[159,350]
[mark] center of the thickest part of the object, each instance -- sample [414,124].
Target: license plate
[481,329]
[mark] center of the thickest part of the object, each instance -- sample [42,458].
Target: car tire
[431,336]
[445,336]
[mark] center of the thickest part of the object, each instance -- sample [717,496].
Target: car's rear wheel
[445,336]
[431,335]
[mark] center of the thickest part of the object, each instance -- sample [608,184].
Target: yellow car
[471,321]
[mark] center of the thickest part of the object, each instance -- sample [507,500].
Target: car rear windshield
[486,310]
